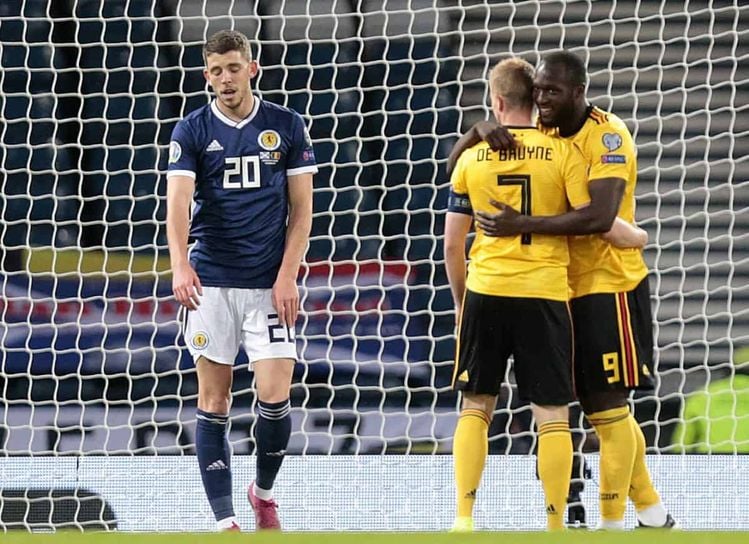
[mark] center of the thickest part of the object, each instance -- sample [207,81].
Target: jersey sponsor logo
[214,146]
[175,151]
[269,140]
[199,340]
[608,159]
[612,141]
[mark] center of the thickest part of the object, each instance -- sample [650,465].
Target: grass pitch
[570,537]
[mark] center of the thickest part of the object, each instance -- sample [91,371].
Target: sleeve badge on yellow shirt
[607,159]
[612,141]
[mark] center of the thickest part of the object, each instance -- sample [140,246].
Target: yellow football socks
[555,469]
[641,490]
[470,447]
[618,448]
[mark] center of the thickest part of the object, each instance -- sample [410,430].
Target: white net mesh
[92,361]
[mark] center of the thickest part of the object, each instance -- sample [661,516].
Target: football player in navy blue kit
[247,164]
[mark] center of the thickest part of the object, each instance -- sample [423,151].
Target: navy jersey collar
[234,124]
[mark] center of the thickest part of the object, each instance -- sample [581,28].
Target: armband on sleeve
[459,203]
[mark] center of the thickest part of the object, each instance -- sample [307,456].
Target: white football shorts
[228,318]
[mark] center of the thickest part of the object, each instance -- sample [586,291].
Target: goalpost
[97,392]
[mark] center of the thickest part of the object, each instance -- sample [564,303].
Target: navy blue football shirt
[241,172]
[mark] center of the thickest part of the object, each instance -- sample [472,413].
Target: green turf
[572,537]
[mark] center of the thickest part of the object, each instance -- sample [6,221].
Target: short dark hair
[224,41]
[574,67]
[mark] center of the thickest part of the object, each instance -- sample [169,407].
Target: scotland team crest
[269,140]
[199,340]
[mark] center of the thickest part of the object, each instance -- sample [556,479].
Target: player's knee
[272,396]
[272,392]
[600,402]
[215,404]
[485,403]
[546,413]
[273,379]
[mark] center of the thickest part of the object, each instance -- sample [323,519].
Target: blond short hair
[512,79]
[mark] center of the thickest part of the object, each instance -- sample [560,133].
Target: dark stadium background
[109,104]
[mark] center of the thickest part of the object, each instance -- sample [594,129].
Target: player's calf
[215,465]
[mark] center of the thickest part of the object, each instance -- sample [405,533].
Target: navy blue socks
[272,432]
[212,447]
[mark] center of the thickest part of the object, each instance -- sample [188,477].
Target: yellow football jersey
[595,265]
[542,176]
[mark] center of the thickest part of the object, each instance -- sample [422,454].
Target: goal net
[97,392]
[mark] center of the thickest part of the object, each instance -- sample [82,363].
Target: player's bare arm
[285,290]
[185,282]
[457,226]
[491,132]
[626,235]
[598,217]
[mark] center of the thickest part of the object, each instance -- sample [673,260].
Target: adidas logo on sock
[217,465]
[214,146]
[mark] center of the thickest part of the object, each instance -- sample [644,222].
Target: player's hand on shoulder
[186,286]
[505,222]
[494,134]
[285,297]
